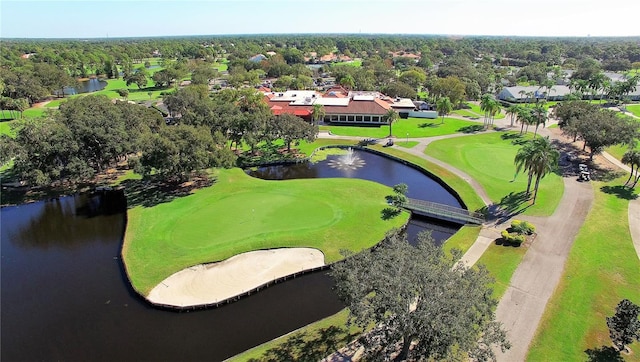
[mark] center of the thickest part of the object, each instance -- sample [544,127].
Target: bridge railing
[444,210]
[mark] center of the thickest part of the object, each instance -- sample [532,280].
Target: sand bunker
[211,283]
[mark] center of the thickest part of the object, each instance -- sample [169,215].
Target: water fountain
[349,161]
[349,158]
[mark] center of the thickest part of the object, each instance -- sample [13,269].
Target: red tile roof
[278,108]
[375,107]
[382,103]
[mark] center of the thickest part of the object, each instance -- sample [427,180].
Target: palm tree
[444,107]
[522,93]
[544,162]
[596,83]
[581,85]
[390,117]
[605,87]
[632,158]
[529,96]
[524,117]
[318,113]
[539,116]
[512,111]
[485,106]
[523,161]
[628,86]
[494,108]
[539,158]
[548,84]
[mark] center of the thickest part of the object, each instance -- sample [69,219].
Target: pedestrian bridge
[443,212]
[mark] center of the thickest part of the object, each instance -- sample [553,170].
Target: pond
[368,166]
[84,86]
[65,296]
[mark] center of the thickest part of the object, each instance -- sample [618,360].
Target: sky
[119,18]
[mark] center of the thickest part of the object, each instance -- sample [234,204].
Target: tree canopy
[425,304]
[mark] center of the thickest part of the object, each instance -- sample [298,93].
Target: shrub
[513,238]
[522,227]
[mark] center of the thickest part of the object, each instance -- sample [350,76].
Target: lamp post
[407,137]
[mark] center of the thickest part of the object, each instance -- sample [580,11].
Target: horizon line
[107,37]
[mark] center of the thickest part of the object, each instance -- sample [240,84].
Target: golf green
[240,213]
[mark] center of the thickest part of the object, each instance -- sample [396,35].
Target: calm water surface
[65,297]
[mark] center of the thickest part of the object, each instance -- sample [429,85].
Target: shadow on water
[66,222]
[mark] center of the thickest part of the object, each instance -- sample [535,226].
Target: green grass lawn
[617,151]
[602,268]
[222,65]
[354,63]
[501,262]
[5,128]
[489,160]
[634,108]
[467,113]
[475,111]
[28,113]
[415,127]
[240,213]
[463,238]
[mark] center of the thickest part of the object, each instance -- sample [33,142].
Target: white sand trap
[211,283]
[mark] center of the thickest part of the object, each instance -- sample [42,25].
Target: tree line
[90,134]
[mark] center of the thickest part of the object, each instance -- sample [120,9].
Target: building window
[350,119]
[367,118]
[358,118]
[343,118]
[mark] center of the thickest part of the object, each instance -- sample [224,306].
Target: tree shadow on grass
[604,174]
[149,193]
[471,129]
[603,354]
[511,136]
[509,206]
[428,125]
[389,213]
[620,192]
[305,347]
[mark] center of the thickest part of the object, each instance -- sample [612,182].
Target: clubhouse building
[340,105]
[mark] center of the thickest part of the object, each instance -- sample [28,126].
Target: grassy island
[240,213]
